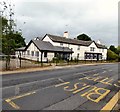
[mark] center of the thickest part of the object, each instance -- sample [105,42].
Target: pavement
[32,69]
[88,87]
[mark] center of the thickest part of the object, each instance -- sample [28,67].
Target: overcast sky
[96,18]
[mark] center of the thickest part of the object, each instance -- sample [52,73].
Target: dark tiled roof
[20,49]
[47,46]
[39,38]
[72,41]
[68,40]
[101,46]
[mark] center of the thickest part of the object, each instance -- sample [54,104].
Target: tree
[4,24]
[118,49]
[15,41]
[84,37]
[10,38]
[112,48]
[111,55]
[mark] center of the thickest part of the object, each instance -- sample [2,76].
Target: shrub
[111,55]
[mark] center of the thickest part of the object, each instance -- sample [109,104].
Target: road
[89,87]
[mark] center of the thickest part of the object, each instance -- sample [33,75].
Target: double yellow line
[111,104]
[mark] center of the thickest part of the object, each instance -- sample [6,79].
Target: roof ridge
[69,38]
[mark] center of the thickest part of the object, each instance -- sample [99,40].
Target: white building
[51,46]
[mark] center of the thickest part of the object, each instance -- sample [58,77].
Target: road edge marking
[23,95]
[62,84]
[61,80]
[110,105]
[15,106]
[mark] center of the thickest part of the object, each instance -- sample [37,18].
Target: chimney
[98,42]
[65,34]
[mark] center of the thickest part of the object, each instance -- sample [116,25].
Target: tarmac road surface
[90,87]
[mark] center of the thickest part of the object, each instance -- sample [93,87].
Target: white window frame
[32,53]
[78,47]
[61,44]
[92,48]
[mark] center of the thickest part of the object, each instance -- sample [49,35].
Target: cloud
[97,18]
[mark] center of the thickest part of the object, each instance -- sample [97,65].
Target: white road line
[28,83]
[104,71]
[82,73]
[61,80]
[32,91]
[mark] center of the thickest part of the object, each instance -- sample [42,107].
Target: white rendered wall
[47,39]
[82,50]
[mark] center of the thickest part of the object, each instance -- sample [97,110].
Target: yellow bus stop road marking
[110,105]
[12,104]
[15,106]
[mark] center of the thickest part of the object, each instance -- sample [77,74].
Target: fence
[16,62]
[23,63]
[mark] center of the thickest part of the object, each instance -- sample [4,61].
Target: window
[55,54]
[78,56]
[95,56]
[100,56]
[61,44]
[28,52]
[102,50]
[68,45]
[45,54]
[87,56]
[91,56]
[32,53]
[37,54]
[92,49]
[78,48]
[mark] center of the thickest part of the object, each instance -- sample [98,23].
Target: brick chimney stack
[98,42]
[65,34]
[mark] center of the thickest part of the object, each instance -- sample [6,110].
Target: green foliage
[55,60]
[118,49]
[111,55]
[19,40]
[84,37]
[10,39]
[112,48]
[4,24]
